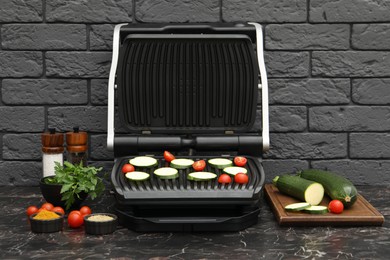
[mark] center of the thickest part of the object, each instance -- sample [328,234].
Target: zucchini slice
[316,210]
[220,163]
[201,176]
[297,206]
[181,163]
[167,173]
[233,170]
[144,161]
[137,176]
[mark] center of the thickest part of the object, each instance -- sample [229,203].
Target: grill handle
[132,145]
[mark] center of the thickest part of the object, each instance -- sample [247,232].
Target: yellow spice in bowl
[46,215]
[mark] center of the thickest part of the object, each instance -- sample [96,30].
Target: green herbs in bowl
[75,181]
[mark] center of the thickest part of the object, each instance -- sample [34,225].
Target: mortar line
[134,20]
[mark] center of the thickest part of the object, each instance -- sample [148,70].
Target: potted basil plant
[71,185]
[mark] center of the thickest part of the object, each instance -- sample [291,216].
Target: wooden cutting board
[362,213]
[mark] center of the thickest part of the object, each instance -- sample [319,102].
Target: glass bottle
[76,146]
[52,151]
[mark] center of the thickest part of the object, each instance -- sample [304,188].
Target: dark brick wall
[328,64]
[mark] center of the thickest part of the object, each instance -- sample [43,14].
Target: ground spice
[100,218]
[46,215]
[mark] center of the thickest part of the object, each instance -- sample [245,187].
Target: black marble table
[266,240]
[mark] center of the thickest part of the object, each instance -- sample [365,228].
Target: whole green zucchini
[299,188]
[336,186]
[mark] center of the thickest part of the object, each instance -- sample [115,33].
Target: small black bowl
[48,225]
[100,227]
[52,194]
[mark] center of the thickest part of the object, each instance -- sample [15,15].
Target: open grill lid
[187,79]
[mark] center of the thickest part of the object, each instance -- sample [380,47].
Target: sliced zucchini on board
[143,161]
[181,163]
[297,206]
[201,176]
[137,176]
[300,188]
[220,163]
[316,210]
[233,170]
[167,173]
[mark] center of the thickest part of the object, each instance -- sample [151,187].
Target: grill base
[182,219]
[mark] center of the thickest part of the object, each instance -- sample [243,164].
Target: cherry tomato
[241,178]
[224,178]
[168,156]
[75,220]
[75,212]
[336,206]
[85,210]
[128,168]
[240,161]
[199,165]
[59,210]
[31,210]
[48,206]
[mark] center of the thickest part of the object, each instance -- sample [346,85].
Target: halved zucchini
[144,161]
[220,163]
[233,170]
[137,176]
[167,173]
[181,163]
[201,176]
[297,206]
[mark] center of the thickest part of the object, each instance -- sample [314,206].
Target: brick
[99,149]
[309,91]
[20,64]
[264,10]
[44,91]
[22,147]
[371,36]
[20,11]
[371,91]
[349,118]
[369,145]
[22,119]
[360,172]
[307,36]
[177,11]
[44,37]
[13,174]
[273,168]
[349,11]
[99,91]
[100,37]
[287,64]
[78,64]
[307,146]
[351,63]
[87,118]
[287,119]
[105,11]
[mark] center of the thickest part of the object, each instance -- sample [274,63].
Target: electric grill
[190,89]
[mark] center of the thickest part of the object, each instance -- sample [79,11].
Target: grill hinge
[146,132]
[229,132]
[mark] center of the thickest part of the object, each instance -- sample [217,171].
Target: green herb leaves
[76,179]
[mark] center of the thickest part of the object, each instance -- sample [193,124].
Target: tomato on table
[48,206]
[241,178]
[31,210]
[336,206]
[199,165]
[240,161]
[224,178]
[168,156]
[59,210]
[127,168]
[75,220]
[85,210]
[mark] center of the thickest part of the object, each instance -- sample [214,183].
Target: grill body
[190,89]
